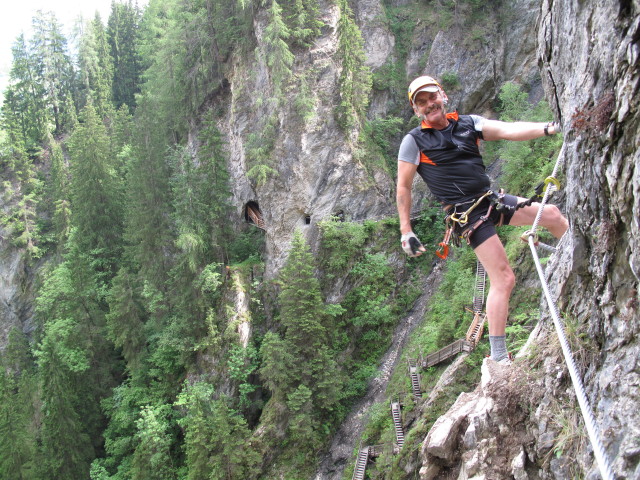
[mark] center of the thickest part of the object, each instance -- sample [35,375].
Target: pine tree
[278,56]
[24,117]
[126,317]
[63,361]
[216,437]
[96,194]
[304,22]
[75,365]
[303,356]
[53,68]
[124,38]
[355,76]
[96,67]
[17,392]
[152,457]
[20,148]
[59,195]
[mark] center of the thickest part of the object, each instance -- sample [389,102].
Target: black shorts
[488,228]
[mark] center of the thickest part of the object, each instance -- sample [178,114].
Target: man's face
[430,105]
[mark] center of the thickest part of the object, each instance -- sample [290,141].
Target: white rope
[587,415]
[598,450]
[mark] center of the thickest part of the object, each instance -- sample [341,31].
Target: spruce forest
[135,365]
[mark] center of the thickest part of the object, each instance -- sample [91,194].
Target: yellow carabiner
[462,218]
[553,180]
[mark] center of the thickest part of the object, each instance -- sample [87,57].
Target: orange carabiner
[443,252]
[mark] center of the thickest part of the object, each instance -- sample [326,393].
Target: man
[444,152]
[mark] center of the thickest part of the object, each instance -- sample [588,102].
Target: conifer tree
[304,352]
[278,56]
[74,363]
[17,391]
[24,117]
[59,195]
[152,458]
[216,437]
[126,317]
[96,194]
[20,149]
[124,38]
[304,22]
[355,76]
[53,67]
[67,448]
[96,67]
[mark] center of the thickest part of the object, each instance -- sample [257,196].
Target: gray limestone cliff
[523,422]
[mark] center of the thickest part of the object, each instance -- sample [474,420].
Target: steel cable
[587,415]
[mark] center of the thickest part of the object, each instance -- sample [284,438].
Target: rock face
[16,290]
[592,80]
[318,170]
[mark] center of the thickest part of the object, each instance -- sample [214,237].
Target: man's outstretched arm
[497,130]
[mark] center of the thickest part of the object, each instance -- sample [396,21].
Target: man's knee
[554,215]
[554,221]
[509,279]
[505,280]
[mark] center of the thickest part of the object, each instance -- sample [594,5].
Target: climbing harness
[456,224]
[550,185]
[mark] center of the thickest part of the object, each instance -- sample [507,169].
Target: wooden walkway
[256,216]
[361,464]
[416,388]
[467,344]
[397,423]
[446,353]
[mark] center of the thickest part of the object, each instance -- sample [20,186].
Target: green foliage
[260,151]
[355,77]
[513,102]
[123,35]
[368,305]
[527,163]
[216,437]
[96,194]
[18,390]
[298,366]
[53,68]
[152,459]
[449,81]
[247,245]
[59,195]
[446,317]
[242,362]
[429,227]
[278,57]
[376,149]
[341,242]
[96,67]
[302,18]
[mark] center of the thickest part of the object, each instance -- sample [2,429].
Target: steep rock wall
[594,78]
[317,173]
[522,423]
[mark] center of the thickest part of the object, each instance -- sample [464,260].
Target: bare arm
[497,130]
[406,172]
